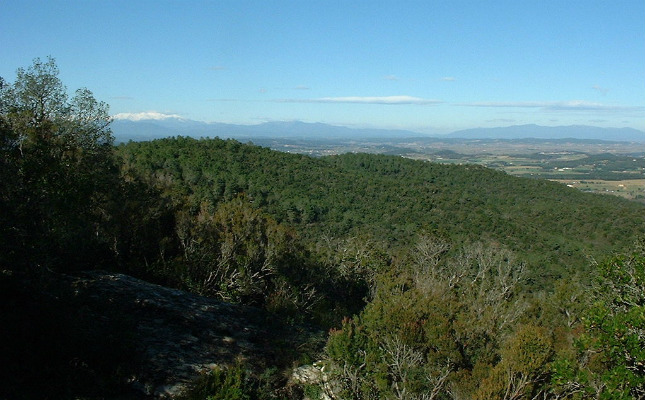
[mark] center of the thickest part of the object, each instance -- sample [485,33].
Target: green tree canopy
[57,169]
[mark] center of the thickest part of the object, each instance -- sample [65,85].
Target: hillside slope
[393,199]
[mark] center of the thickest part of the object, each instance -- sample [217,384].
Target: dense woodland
[433,281]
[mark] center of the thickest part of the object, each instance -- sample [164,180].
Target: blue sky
[428,66]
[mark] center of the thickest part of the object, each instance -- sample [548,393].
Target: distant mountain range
[141,130]
[125,130]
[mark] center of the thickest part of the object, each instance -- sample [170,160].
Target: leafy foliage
[391,199]
[238,382]
[437,281]
[611,355]
[57,171]
[222,384]
[433,328]
[523,368]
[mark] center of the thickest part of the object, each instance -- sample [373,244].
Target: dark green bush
[231,383]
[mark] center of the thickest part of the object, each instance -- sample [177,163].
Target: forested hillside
[460,281]
[392,199]
[426,281]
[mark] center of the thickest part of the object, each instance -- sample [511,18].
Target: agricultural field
[633,189]
[607,173]
[615,168]
[601,173]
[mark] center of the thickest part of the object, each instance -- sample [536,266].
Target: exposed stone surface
[315,375]
[307,374]
[178,335]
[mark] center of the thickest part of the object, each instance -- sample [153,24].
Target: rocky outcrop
[178,335]
[314,375]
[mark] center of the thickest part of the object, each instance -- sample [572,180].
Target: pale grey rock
[307,375]
[315,375]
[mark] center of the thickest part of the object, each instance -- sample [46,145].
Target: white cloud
[523,104]
[387,100]
[581,105]
[448,79]
[302,87]
[391,78]
[145,115]
[573,105]
[217,68]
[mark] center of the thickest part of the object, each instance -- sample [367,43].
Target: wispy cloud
[222,100]
[217,68]
[578,105]
[145,115]
[502,120]
[302,87]
[448,79]
[522,104]
[391,78]
[386,100]
[573,105]
[600,89]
